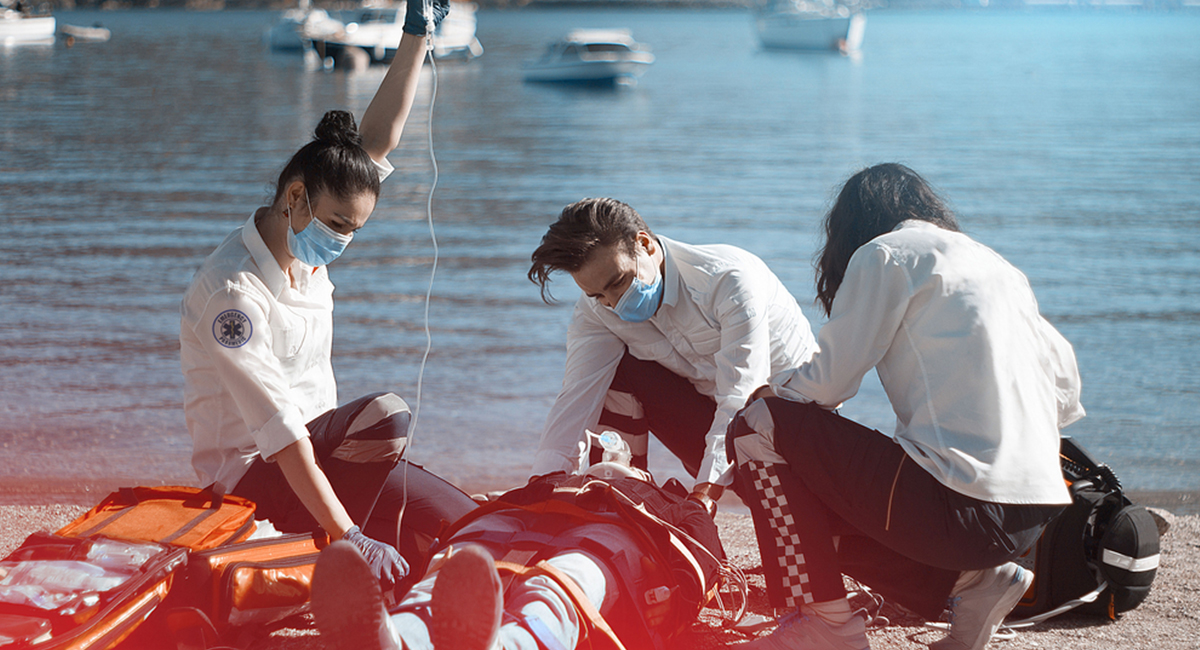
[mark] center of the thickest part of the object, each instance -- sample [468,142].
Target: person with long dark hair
[256,337]
[935,513]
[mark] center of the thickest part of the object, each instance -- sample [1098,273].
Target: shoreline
[208,6]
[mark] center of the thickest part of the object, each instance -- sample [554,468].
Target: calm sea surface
[1067,140]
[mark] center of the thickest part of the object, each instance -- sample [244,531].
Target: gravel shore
[1168,620]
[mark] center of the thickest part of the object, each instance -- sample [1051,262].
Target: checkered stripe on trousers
[793,571]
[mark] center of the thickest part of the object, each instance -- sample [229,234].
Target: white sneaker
[347,602]
[799,631]
[979,606]
[467,601]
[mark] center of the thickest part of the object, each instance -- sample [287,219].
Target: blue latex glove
[414,16]
[384,560]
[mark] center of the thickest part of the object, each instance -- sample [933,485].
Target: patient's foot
[466,601]
[347,602]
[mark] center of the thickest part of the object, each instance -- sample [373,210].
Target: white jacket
[255,353]
[980,382]
[726,324]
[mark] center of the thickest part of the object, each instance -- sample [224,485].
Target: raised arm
[383,122]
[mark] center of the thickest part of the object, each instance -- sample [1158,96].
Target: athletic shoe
[347,602]
[466,602]
[799,631]
[978,608]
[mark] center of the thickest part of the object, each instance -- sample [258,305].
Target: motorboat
[20,26]
[591,56]
[377,31]
[811,25]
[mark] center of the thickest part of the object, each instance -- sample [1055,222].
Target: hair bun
[338,128]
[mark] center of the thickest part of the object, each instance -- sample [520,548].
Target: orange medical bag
[189,517]
[62,593]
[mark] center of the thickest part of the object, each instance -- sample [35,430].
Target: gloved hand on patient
[385,561]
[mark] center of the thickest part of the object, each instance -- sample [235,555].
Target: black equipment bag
[1099,555]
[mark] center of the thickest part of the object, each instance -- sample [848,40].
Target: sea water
[1068,140]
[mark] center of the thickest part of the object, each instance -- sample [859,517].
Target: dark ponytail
[873,202]
[334,162]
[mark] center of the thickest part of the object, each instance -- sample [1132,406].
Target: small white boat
[80,33]
[591,55]
[811,25]
[19,26]
[297,27]
[377,32]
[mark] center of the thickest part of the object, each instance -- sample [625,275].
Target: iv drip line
[433,238]
[412,429]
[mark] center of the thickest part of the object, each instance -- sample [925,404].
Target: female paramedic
[934,514]
[260,397]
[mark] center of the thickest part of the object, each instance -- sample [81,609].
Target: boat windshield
[607,47]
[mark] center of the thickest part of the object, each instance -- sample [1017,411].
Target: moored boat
[20,26]
[377,31]
[297,27]
[811,25]
[591,56]
[79,32]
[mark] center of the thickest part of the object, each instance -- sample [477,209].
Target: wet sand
[1168,620]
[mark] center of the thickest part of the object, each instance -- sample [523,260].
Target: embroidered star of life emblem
[231,331]
[232,328]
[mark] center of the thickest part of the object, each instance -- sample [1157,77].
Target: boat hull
[586,71]
[377,32]
[380,54]
[17,28]
[796,31]
[293,32]
[85,33]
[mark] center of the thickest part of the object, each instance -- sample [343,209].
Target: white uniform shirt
[980,382]
[726,324]
[255,353]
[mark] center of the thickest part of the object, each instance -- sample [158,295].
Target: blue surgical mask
[640,300]
[317,244]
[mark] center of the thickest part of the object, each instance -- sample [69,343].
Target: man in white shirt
[668,338]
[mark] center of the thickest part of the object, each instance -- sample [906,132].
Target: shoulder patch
[232,328]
